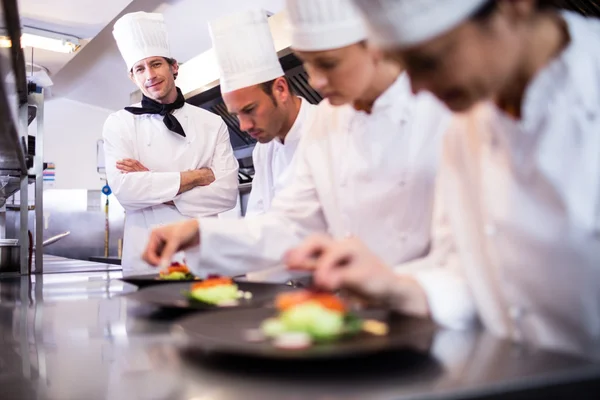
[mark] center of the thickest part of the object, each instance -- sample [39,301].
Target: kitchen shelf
[21,156]
[13,93]
[12,155]
[8,186]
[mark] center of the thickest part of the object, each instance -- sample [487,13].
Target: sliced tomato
[327,300]
[330,302]
[290,299]
[212,282]
[175,267]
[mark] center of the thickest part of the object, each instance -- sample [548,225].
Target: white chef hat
[404,23]
[244,49]
[141,35]
[324,24]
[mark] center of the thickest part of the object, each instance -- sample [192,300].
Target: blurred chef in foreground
[365,167]
[166,160]
[256,91]
[520,176]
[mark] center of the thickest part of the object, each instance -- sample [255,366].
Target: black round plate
[223,333]
[142,281]
[172,296]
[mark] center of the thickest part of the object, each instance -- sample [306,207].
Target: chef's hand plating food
[349,264]
[167,240]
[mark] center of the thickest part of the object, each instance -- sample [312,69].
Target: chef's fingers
[128,162]
[172,245]
[131,165]
[304,256]
[125,169]
[139,166]
[154,249]
[333,264]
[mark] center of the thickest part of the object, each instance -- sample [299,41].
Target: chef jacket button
[490,229]
[402,183]
[403,237]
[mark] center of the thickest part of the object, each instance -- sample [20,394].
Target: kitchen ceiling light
[41,39]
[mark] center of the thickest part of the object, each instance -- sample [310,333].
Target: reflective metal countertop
[74,336]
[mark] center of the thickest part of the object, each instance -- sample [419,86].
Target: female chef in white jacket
[520,177]
[166,160]
[366,166]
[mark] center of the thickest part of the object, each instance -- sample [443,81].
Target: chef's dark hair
[267,87]
[170,61]
[487,9]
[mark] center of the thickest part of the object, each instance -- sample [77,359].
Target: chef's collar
[397,95]
[295,131]
[580,75]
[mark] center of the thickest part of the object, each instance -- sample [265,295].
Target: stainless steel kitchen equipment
[10,257]
[21,161]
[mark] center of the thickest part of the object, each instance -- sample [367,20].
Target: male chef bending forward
[165,160]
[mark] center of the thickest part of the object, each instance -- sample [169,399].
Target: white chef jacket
[522,200]
[146,139]
[272,162]
[371,175]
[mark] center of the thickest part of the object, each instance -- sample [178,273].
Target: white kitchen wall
[71,131]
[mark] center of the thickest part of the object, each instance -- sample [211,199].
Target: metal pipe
[37,100]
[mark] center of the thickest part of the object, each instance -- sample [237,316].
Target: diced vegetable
[174,276]
[352,324]
[291,299]
[375,327]
[285,301]
[214,294]
[318,316]
[272,327]
[207,283]
[314,319]
[176,272]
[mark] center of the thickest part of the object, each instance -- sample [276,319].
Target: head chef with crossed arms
[166,160]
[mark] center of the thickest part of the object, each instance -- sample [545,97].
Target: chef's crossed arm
[220,195]
[134,185]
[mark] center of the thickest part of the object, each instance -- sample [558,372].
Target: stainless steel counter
[73,336]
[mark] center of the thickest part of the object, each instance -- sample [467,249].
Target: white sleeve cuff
[166,183]
[450,301]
